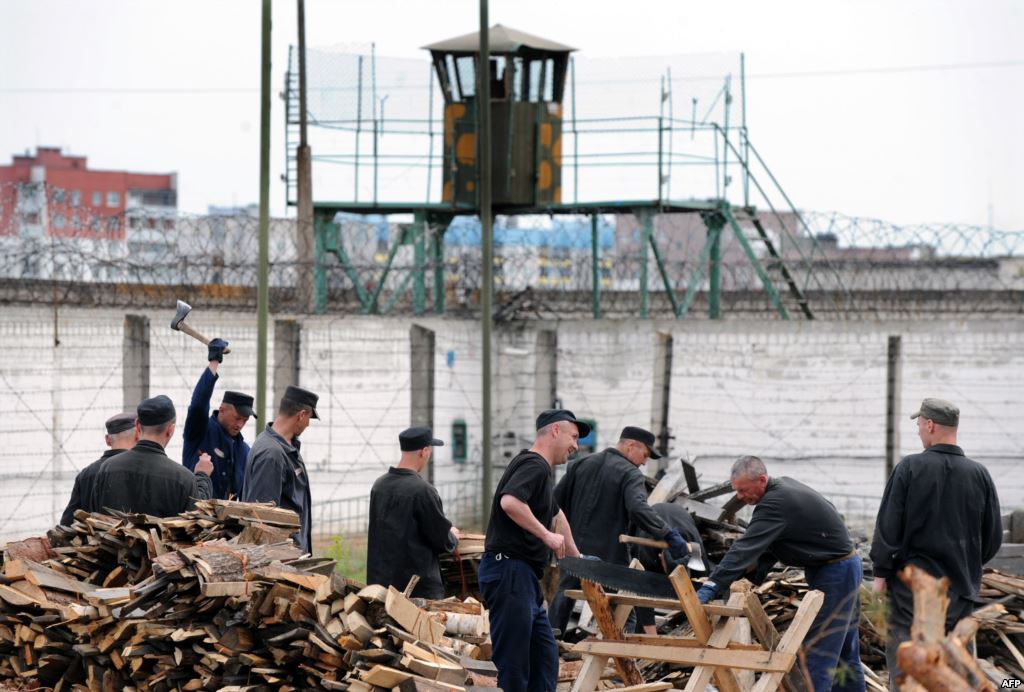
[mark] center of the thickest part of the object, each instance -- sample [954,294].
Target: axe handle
[649,542]
[183,326]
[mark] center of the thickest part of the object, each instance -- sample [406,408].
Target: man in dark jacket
[121,436]
[795,525]
[602,495]
[940,512]
[408,528]
[218,434]
[275,471]
[661,561]
[144,480]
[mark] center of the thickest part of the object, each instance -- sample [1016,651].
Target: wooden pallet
[715,651]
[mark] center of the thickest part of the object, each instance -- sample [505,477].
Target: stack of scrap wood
[220,613]
[459,570]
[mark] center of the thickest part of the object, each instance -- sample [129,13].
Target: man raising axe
[219,433]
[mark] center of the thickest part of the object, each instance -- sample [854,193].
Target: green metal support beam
[419,287]
[328,240]
[773,295]
[698,271]
[319,270]
[664,277]
[647,219]
[595,263]
[369,307]
[437,259]
[714,223]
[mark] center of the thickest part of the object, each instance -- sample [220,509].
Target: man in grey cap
[121,436]
[602,495]
[144,480]
[408,528]
[275,471]
[940,512]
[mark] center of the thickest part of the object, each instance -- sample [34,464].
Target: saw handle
[187,329]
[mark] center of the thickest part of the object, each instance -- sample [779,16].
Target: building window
[59,195]
[96,224]
[97,199]
[113,223]
[31,218]
[113,199]
[59,222]
[76,198]
[74,220]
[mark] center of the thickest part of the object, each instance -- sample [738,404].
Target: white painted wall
[807,397]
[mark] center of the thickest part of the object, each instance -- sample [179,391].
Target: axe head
[183,310]
[695,563]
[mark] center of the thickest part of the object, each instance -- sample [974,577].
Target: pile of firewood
[213,599]
[459,571]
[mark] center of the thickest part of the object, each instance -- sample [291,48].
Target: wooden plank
[699,622]
[626,667]
[661,603]
[685,642]
[765,661]
[593,666]
[413,619]
[793,639]
[719,639]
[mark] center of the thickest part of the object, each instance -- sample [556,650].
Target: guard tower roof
[502,39]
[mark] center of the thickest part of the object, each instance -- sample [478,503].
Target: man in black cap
[795,525]
[275,471]
[144,480]
[602,495]
[940,512]
[526,526]
[218,434]
[408,528]
[121,436]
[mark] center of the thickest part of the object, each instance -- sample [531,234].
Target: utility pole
[304,165]
[483,120]
[262,292]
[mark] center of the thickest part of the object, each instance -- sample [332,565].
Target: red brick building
[52,194]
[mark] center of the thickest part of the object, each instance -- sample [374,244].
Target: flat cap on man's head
[303,397]
[241,402]
[939,411]
[120,422]
[156,411]
[631,432]
[417,438]
[557,415]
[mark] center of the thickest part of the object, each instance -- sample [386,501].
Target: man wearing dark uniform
[940,512]
[408,528]
[218,434]
[526,526]
[795,525]
[602,495]
[275,471]
[121,436]
[662,561]
[144,480]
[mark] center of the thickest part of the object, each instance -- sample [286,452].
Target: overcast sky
[904,111]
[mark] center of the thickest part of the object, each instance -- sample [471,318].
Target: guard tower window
[499,79]
[465,68]
[459,440]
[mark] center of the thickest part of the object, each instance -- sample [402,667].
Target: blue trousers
[522,646]
[832,645]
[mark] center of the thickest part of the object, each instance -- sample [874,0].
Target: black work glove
[216,351]
[677,547]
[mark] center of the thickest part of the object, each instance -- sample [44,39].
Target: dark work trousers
[523,648]
[832,645]
[901,615]
[560,610]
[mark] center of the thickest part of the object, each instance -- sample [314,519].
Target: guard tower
[527,76]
